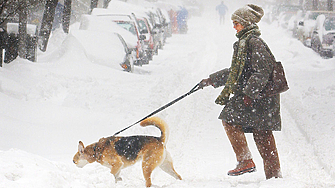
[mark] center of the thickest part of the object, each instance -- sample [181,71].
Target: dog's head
[84,155]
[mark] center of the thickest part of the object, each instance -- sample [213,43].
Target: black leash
[194,89]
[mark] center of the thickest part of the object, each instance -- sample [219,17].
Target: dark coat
[263,113]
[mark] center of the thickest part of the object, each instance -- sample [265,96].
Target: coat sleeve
[261,67]
[219,78]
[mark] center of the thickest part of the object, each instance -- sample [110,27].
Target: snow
[64,97]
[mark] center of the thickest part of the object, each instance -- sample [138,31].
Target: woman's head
[247,15]
[237,26]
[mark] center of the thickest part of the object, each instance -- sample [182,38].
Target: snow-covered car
[293,22]
[165,22]
[305,26]
[157,27]
[105,24]
[284,19]
[145,27]
[105,48]
[130,23]
[323,36]
[149,44]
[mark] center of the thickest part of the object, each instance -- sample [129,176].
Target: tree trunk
[48,17]
[66,16]
[22,29]
[330,5]
[106,2]
[94,4]
[301,2]
[315,4]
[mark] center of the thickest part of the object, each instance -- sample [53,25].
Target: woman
[246,110]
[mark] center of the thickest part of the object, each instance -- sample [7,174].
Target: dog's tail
[160,124]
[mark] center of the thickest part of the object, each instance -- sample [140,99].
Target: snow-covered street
[48,106]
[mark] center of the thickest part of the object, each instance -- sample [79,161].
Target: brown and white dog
[119,152]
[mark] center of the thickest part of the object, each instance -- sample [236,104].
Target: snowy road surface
[48,106]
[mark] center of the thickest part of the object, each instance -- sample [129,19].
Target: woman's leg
[266,146]
[239,143]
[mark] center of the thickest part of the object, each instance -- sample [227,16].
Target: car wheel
[138,63]
[327,54]
[160,46]
[150,55]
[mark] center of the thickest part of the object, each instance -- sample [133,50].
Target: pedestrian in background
[245,110]
[222,10]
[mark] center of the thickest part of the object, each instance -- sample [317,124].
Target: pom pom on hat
[247,15]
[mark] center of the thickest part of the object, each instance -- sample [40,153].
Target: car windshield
[142,25]
[330,24]
[128,26]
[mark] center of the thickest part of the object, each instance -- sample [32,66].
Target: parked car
[130,23]
[323,36]
[105,24]
[145,27]
[149,43]
[128,61]
[105,48]
[157,27]
[305,26]
[284,19]
[294,21]
[165,22]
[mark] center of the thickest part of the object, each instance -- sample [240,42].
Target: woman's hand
[205,82]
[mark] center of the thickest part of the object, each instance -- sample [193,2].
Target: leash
[194,89]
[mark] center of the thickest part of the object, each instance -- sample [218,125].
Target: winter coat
[263,113]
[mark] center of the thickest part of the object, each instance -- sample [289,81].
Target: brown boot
[243,167]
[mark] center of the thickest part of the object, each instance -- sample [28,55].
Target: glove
[247,100]
[205,82]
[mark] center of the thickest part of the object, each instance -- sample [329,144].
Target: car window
[128,26]
[330,24]
[142,24]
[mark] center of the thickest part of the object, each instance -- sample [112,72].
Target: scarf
[238,62]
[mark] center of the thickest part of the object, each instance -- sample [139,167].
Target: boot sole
[249,170]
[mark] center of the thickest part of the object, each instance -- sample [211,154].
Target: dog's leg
[115,165]
[151,160]
[117,176]
[167,166]
[116,169]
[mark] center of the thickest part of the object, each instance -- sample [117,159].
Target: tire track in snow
[295,110]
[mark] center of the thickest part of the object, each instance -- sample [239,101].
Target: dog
[117,153]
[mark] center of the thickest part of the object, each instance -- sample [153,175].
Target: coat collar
[251,29]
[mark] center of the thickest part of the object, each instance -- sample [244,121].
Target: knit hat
[247,15]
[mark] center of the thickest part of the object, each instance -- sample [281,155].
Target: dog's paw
[118,179]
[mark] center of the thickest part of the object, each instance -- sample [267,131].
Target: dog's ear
[81,147]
